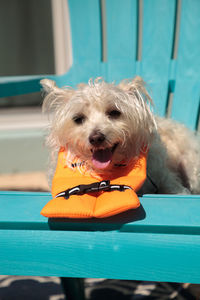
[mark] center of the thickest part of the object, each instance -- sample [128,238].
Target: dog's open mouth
[101,158]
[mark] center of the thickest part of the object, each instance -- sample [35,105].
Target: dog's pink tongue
[101,158]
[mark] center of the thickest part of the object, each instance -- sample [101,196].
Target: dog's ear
[48,85]
[54,96]
[136,86]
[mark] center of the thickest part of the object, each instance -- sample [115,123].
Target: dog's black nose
[96,138]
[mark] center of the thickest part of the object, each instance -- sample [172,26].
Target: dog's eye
[114,114]
[79,119]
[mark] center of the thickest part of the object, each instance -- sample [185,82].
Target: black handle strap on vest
[93,187]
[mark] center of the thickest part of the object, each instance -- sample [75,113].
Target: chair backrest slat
[158,40]
[85,17]
[187,90]
[158,36]
[115,39]
[122,24]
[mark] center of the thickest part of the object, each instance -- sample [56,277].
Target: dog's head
[100,123]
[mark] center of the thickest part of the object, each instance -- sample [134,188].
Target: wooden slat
[85,19]
[157,212]
[137,256]
[186,101]
[160,241]
[18,85]
[85,26]
[158,34]
[187,90]
[121,39]
[22,210]
[189,40]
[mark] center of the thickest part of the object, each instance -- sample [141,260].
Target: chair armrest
[158,242]
[18,85]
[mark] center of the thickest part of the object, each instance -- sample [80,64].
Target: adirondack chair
[160,241]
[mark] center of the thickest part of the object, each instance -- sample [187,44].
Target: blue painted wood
[187,90]
[159,257]
[21,210]
[18,85]
[147,244]
[156,65]
[158,213]
[186,101]
[188,60]
[158,30]
[121,39]
[161,242]
[86,39]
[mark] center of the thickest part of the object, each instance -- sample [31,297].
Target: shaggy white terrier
[105,126]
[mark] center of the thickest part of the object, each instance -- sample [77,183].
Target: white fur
[174,151]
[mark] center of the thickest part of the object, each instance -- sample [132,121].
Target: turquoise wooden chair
[160,241]
[116,39]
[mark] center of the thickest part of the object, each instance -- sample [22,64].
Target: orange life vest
[80,195]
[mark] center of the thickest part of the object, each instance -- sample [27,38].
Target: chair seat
[159,241]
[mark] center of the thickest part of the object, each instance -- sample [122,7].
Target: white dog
[104,126]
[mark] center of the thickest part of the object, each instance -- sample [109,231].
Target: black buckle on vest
[92,188]
[85,189]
